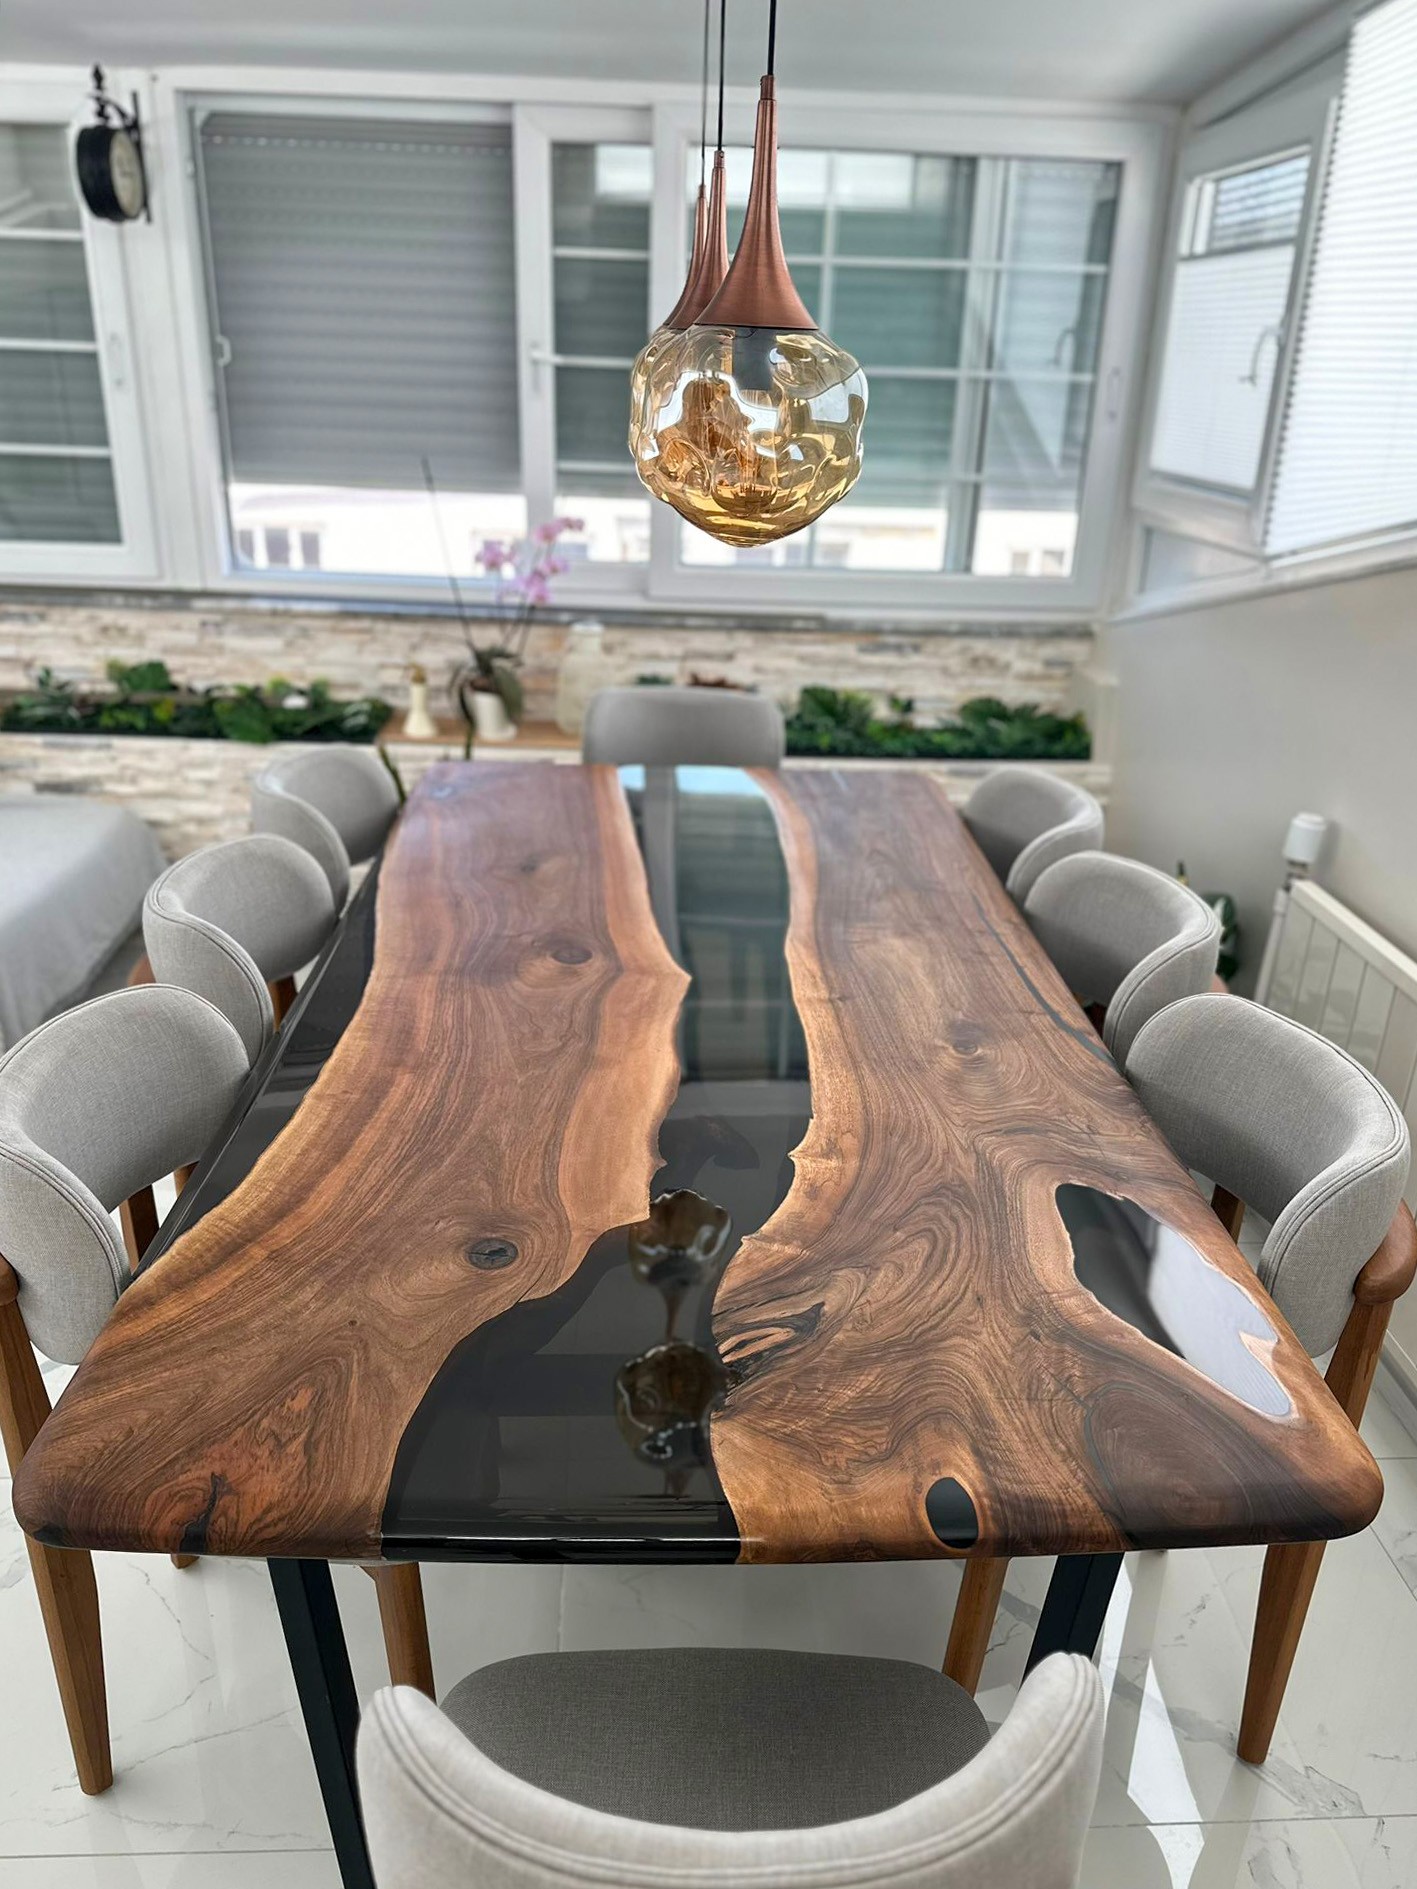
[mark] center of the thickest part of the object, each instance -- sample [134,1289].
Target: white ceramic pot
[418,724]
[583,670]
[490,717]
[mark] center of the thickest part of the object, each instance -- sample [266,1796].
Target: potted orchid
[487,688]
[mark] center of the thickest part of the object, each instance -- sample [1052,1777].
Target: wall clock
[108,156]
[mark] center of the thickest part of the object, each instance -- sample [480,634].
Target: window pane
[57,501]
[51,400]
[1060,212]
[44,292]
[899,317]
[910,428]
[36,187]
[378,533]
[600,307]
[1048,320]
[1034,438]
[801,197]
[600,196]
[892,204]
[1264,203]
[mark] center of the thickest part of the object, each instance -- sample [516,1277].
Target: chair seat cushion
[716,1739]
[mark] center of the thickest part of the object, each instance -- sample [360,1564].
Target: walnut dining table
[685,1166]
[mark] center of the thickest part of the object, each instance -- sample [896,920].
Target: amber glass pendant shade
[750,423]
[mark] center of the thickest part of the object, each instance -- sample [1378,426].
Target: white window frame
[58,98]
[1301,113]
[173,344]
[1138,147]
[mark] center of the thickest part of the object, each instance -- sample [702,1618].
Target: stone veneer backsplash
[222,640]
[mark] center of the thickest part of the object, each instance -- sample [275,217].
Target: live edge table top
[700,1166]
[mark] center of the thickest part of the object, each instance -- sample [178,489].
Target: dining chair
[1024,819]
[727,1767]
[1127,938]
[95,1106]
[338,803]
[1283,1121]
[234,922]
[673,727]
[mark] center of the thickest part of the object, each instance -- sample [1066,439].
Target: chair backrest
[1291,1125]
[338,803]
[1124,936]
[232,918]
[97,1103]
[1023,819]
[670,727]
[441,1815]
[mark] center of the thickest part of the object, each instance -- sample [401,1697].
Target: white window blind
[1226,324]
[362,278]
[1348,456]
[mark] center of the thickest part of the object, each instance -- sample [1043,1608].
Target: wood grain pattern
[504,1077]
[911,1312]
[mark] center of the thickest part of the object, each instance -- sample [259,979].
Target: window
[973,291]
[600,211]
[56,474]
[361,276]
[1229,304]
[1348,460]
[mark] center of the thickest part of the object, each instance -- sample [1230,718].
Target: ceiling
[1160,51]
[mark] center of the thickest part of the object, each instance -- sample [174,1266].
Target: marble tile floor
[215,1789]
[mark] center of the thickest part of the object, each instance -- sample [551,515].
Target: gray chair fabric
[234,917]
[1125,936]
[1024,819]
[72,877]
[1293,1126]
[94,1105]
[670,727]
[338,803]
[442,1814]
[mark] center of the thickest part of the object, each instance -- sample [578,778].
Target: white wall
[1234,716]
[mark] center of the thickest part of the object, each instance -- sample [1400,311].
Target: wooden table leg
[314,1638]
[1075,1606]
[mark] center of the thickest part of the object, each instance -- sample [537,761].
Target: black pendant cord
[703,100]
[772,36]
[722,35]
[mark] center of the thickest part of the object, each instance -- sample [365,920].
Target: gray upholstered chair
[338,803]
[1023,819]
[1285,1122]
[95,1106]
[235,922]
[670,727]
[723,1768]
[1127,938]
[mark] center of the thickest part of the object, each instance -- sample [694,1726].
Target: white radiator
[1346,981]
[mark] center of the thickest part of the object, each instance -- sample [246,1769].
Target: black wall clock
[109,158]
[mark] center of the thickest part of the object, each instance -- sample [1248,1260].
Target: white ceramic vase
[490,717]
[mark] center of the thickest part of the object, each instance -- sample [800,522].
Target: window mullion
[531,174]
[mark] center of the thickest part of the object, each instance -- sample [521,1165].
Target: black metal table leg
[314,1638]
[1075,1607]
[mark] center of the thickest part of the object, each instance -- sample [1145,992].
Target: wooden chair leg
[1290,1570]
[181,1176]
[1286,1589]
[142,971]
[138,1216]
[975,1609]
[400,1590]
[282,997]
[63,1578]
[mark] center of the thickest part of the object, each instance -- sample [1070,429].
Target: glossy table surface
[701,1166]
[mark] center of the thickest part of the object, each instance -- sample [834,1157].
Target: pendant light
[752,418]
[708,259]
